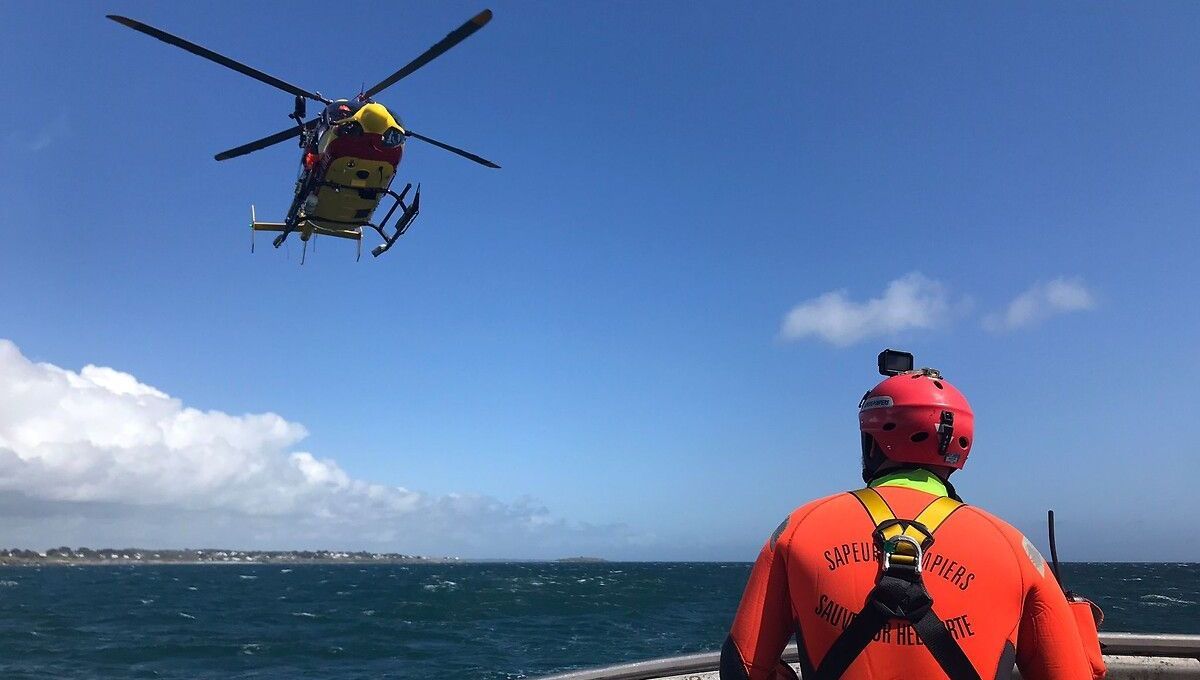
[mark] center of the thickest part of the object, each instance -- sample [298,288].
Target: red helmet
[917,418]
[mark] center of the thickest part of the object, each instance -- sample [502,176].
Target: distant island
[585,560]
[71,556]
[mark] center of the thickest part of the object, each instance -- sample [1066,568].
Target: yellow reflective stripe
[931,518]
[936,512]
[881,512]
[875,506]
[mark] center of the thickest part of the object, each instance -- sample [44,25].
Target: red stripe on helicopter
[366,146]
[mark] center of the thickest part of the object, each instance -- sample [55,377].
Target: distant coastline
[88,556]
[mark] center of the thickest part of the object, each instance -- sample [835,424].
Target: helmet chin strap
[872,458]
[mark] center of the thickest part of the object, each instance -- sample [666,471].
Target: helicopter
[351,150]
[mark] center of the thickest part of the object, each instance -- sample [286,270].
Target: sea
[493,621]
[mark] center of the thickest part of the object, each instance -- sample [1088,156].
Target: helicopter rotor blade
[452,149]
[218,58]
[263,143]
[452,38]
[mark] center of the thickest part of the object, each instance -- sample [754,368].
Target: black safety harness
[899,591]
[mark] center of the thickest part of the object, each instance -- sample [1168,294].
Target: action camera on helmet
[895,362]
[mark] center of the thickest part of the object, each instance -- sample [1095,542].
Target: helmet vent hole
[914,376]
[919,437]
[964,442]
[888,427]
[938,384]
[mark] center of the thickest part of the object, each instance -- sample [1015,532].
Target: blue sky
[596,331]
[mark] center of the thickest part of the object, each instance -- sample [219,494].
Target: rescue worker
[901,580]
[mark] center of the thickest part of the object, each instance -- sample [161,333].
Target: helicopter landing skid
[308,227]
[407,215]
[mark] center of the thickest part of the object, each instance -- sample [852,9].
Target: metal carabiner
[891,542]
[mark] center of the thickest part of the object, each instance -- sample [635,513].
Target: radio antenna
[1053,548]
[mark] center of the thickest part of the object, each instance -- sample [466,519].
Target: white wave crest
[1163,600]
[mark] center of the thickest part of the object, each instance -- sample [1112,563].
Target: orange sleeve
[1048,642]
[1088,623]
[763,623]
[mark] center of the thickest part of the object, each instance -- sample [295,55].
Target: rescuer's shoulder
[805,513]
[1025,551]
[1001,528]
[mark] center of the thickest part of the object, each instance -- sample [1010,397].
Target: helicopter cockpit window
[340,109]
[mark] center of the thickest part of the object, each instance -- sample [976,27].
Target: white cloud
[41,138]
[910,302]
[102,456]
[1041,302]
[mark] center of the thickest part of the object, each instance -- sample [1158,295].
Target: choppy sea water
[489,621]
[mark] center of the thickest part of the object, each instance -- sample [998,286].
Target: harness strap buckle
[902,543]
[891,547]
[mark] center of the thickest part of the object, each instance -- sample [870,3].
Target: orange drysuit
[990,586]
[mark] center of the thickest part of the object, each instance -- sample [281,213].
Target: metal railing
[1128,655]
